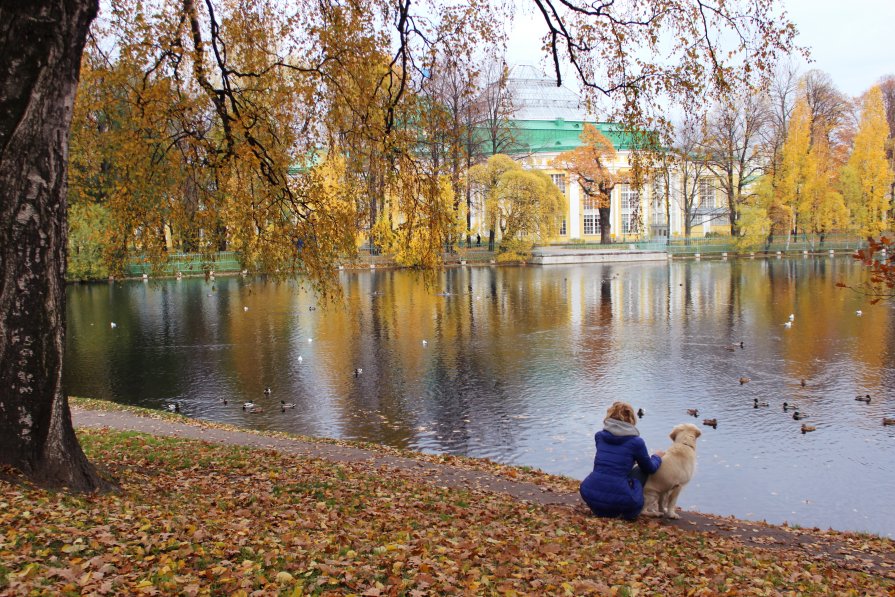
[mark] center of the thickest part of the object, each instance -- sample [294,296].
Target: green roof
[544,136]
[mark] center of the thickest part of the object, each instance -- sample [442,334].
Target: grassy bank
[195,518]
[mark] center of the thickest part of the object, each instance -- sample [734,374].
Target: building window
[630,203]
[560,181]
[591,215]
[591,223]
[706,194]
[562,227]
[590,203]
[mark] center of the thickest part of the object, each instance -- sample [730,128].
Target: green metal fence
[189,264]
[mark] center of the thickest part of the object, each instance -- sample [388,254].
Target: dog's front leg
[651,503]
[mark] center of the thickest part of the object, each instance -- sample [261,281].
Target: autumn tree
[887,88]
[733,150]
[448,120]
[40,58]
[820,208]
[592,164]
[781,93]
[297,222]
[495,107]
[791,175]
[867,177]
[486,178]
[675,41]
[528,205]
[829,109]
[524,205]
[695,181]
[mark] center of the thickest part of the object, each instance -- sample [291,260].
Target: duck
[248,405]
[792,317]
[245,308]
[744,380]
[799,416]
[425,342]
[807,428]
[859,313]
[787,325]
[223,401]
[173,407]
[693,412]
[113,325]
[787,406]
[267,391]
[865,398]
[284,405]
[640,413]
[887,421]
[804,383]
[358,372]
[713,423]
[300,359]
[312,308]
[742,345]
[756,403]
[256,410]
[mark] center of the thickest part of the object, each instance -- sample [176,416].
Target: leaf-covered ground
[199,518]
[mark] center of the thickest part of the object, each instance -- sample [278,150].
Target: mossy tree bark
[41,42]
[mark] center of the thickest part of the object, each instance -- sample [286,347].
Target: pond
[518,364]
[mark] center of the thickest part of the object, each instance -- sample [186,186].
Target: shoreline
[543,256]
[523,483]
[211,509]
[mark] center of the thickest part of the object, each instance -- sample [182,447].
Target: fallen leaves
[195,518]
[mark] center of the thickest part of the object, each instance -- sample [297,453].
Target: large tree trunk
[605,236]
[41,42]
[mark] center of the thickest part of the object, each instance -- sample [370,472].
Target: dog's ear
[674,433]
[698,432]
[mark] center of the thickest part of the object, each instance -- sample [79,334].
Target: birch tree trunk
[41,42]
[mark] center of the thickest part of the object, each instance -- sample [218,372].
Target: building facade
[548,120]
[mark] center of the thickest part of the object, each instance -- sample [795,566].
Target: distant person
[614,489]
[478,240]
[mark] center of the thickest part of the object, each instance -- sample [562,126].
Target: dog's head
[684,431]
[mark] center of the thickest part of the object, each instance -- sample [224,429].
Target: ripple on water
[525,374]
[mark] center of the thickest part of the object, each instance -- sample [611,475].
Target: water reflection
[519,365]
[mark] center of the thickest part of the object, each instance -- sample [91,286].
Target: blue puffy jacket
[609,490]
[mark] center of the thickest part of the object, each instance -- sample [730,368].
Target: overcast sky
[852,40]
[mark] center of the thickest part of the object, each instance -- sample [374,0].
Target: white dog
[678,464]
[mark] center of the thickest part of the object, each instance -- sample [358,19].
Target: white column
[574,222]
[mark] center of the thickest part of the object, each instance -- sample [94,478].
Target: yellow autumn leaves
[523,204]
[815,188]
[199,518]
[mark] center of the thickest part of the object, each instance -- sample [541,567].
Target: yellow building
[548,120]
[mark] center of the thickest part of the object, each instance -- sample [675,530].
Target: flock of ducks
[756,403]
[251,408]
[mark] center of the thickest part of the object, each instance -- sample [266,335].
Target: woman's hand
[659,453]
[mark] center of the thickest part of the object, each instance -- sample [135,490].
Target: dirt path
[852,551]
